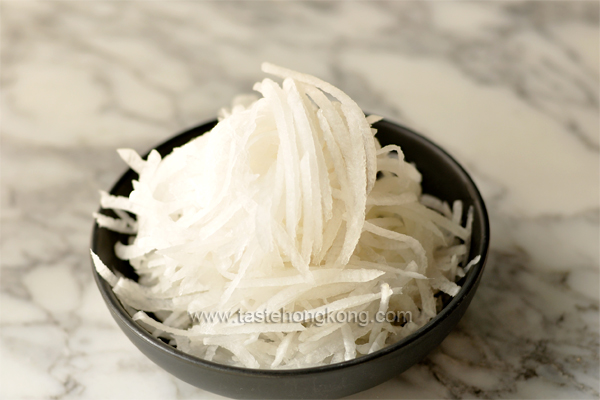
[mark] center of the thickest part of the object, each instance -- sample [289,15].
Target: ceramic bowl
[443,177]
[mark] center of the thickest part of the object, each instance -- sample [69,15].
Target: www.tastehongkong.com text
[318,318]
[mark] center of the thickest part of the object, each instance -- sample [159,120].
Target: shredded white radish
[272,242]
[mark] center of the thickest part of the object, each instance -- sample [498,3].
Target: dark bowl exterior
[442,177]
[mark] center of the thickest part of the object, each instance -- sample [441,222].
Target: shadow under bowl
[443,177]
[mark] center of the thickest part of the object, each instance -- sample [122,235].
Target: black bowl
[443,177]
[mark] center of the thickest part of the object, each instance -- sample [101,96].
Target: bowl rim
[471,279]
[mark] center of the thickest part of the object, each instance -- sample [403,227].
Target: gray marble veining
[509,88]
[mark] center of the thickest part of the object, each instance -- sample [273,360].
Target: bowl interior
[443,177]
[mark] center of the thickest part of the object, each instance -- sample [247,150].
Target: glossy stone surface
[510,89]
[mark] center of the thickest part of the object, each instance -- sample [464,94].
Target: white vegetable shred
[286,237]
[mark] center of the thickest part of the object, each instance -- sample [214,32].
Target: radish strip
[281,238]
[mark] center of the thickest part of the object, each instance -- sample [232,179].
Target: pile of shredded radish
[289,204]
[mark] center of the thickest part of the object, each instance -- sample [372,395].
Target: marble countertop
[509,88]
